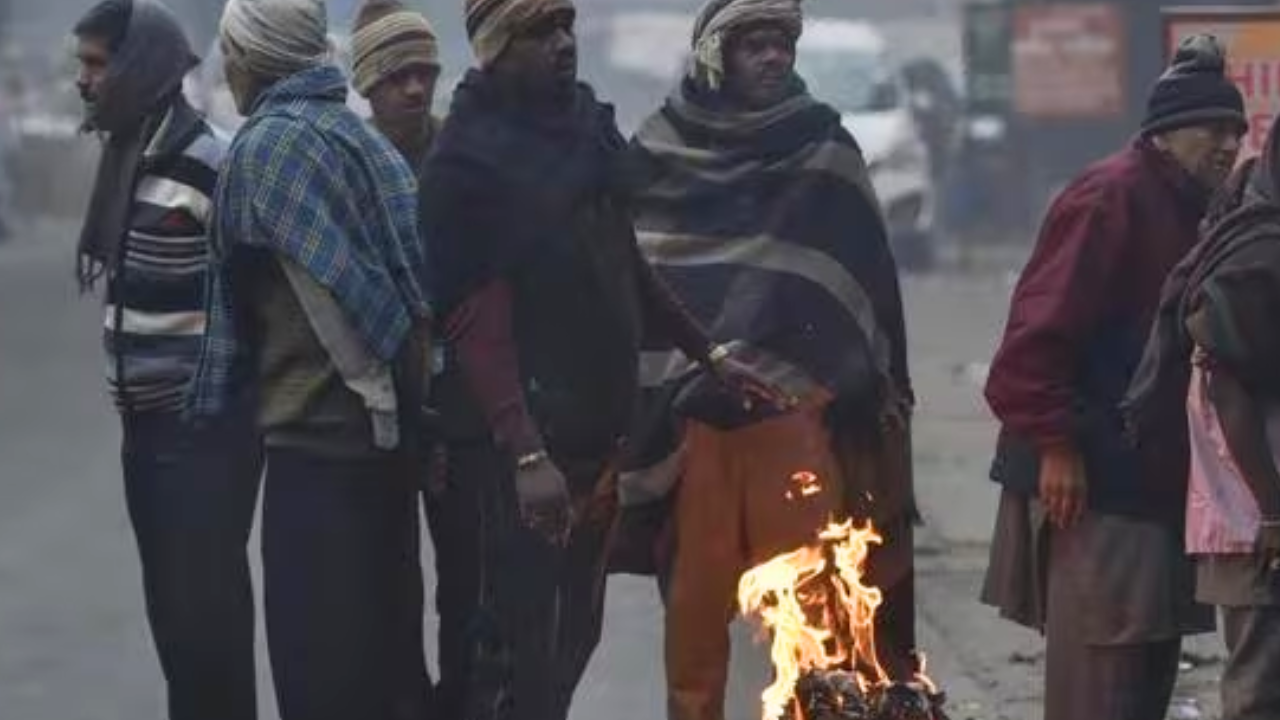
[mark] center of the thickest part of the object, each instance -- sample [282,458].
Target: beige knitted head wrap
[491,24]
[274,39]
[719,18]
[389,38]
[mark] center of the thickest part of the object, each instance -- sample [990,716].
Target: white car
[847,65]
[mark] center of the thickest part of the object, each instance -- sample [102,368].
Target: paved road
[73,645]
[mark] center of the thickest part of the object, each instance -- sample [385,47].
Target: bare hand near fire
[754,387]
[545,504]
[1064,490]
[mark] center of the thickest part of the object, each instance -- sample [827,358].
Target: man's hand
[749,383]
[1064,490]
[1267,546]
[545,505]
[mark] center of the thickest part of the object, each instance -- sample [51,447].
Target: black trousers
[452,508]
[344,587]
[520,619]
[191,496]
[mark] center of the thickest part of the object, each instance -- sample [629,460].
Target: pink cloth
[1222,515]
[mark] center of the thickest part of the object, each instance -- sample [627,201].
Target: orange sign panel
[1252,38]
[1069,61]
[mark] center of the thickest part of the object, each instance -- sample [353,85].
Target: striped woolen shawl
[766,226]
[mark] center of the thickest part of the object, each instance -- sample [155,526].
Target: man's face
[94,57]
[543,60]
[1208,152]
[759,62]
[405,97]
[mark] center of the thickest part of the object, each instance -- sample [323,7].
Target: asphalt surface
[73,639]
[74,645]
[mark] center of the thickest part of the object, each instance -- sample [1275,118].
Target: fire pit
[821,616]
[837,695]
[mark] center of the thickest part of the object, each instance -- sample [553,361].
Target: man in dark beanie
[1088,542]
[395,65]
[190,491]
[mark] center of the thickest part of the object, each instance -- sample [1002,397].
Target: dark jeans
[191,496]
[452,506]
[344,587]
[520,618]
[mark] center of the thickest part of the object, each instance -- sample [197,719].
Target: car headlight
[987,128]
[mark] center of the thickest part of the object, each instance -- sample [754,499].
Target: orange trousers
[732,513]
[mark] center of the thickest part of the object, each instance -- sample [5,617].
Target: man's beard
[89,109]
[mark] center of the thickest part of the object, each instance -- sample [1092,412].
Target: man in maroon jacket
[1087,543]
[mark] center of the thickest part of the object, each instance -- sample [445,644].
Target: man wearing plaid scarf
[317,300]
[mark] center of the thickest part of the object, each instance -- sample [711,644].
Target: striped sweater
[155,308]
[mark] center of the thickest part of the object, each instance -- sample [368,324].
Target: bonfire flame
[820,611]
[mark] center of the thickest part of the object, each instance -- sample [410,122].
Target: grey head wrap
[144,75]
[273,39]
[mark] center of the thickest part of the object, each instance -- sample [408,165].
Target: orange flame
[820,611]
[806,485]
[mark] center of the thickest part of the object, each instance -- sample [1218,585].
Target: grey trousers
[1087,681]
[1249,597]
[1108,682]
[1251,678]
[1113,595]
[1116,593]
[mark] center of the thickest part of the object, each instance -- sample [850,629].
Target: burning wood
[836,695]
[821,614]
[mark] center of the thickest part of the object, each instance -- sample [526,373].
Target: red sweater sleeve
[481,332]
[1065,292]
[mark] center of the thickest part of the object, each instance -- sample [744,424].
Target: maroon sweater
[481,329]
[1082,307]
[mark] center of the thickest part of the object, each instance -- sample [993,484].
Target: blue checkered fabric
[308,180]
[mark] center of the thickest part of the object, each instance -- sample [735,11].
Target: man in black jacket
[543,298]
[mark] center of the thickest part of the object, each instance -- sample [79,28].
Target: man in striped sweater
[190,490]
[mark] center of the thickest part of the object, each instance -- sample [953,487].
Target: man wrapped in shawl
[755,207]
[318,302]
[1216,350]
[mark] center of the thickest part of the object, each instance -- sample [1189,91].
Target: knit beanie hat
[1194,90]
[388,38]
[491,24]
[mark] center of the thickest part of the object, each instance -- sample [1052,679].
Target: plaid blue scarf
[308,180]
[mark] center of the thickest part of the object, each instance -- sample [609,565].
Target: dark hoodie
[536,271]
[144,79]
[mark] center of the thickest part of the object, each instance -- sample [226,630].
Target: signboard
[988,32]
[1252,37]
[1069,61]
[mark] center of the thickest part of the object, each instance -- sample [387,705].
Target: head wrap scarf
[273,39]
[389,38]
[144,74]
[491,24]
[719,18]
